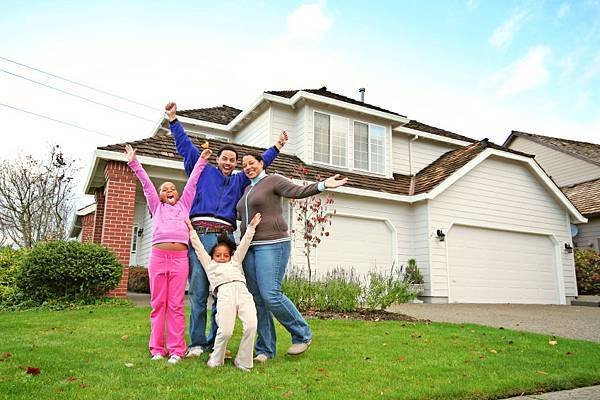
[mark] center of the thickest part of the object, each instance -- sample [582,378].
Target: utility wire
[77,96]
[61,122]
[82,85]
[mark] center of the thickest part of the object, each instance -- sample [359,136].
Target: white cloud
[308,21]
[527,73]
[563,10]
[592,70]
[504,34]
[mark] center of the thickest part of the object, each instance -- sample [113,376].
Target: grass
[83,354]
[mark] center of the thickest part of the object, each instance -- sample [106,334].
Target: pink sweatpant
[168,271]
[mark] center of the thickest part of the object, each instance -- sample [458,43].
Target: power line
[62,122]
[75,95]
[81,84]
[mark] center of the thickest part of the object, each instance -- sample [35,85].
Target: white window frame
[330,163]
[369,150]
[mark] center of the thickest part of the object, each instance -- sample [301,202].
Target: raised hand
[206,153]
[171,110]
[130,152]
[256,220]
[283,138]
[335,181]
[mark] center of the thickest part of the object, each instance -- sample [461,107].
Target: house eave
[431,136]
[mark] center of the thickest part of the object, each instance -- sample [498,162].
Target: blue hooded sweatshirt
[216,194]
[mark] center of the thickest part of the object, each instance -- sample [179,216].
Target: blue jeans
[264,267]
[198,293]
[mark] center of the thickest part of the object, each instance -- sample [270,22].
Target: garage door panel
[361,244]
[494,266]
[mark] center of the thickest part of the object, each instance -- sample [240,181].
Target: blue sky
[479,68]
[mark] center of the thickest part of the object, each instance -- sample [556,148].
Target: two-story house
[484,223]
[575,167]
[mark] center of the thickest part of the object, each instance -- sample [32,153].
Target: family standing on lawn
[192,238]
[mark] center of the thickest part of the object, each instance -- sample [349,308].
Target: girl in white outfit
[223,267]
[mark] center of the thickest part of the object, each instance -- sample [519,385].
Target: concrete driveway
[573,322]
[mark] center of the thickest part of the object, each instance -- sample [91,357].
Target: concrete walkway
[575,322]
[586,393]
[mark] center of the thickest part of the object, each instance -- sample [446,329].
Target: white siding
[504,195]
[589,234]
[425,151]
[290,120]
[400,159]
[419,248]
[256,133]
[562,168]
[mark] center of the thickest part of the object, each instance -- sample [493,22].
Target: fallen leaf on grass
[568,353]
[552,342]
[493,351]
[541,373]
[71,379]
[129,365]
[83,385]
[124,337]
[34,370]
[5,356]
[287,394]
[401,358]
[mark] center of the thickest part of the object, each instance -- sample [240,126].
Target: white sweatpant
[233,299]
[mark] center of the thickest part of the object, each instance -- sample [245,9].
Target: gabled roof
[288,94]
[219,115]
[583,150]
[585,196]
[412,124]
[163,147]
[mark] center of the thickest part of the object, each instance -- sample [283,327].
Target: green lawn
[83,354]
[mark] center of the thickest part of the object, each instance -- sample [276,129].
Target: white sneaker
[298,348]
[157,357]
[261,358]
[195,351]
[174,359]
[241,367]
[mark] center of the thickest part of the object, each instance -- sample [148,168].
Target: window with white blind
[369,147]
[331,139]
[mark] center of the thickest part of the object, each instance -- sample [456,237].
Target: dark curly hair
[223,240]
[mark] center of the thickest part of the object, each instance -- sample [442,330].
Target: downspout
[411,189]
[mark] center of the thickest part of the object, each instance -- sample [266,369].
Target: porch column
[119,209]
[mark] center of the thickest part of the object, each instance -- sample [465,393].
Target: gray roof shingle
[582,150]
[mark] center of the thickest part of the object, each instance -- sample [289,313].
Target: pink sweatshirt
[168,223]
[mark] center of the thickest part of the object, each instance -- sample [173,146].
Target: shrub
[412,274]
[10,264]
[68,270]
[587,269]
[139,280]
[383,290]
[339,291]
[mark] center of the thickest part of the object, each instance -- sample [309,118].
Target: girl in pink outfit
[168,268]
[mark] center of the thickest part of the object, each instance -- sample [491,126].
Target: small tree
[36,197]
[314,215]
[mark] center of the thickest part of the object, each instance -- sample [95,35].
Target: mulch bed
[364,315]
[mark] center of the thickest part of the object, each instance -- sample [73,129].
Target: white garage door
[362,244]
[493,266]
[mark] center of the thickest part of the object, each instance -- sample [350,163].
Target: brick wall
[119,209]
[98,215]
[87,228]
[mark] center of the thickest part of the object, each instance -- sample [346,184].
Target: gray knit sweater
[265,198]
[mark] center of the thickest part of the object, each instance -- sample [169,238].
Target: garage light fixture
[568,248]
[440,235]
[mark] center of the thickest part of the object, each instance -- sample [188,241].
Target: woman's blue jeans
[264,267]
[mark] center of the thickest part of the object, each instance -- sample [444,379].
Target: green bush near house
[587,269]
[67,271]
[10,264]
[139,281]
[412,274]
[383,290]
